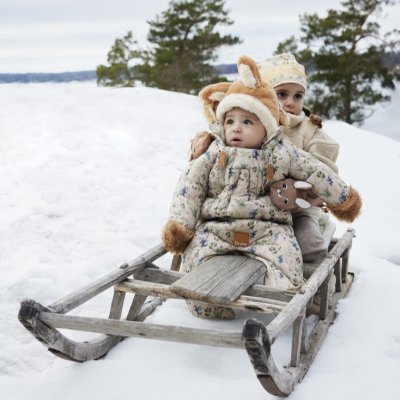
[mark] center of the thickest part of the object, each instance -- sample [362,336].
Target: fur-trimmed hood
[249,93]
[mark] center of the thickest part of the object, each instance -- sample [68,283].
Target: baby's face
[291,96]
[243,129]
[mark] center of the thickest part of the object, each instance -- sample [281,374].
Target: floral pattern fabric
[225,191]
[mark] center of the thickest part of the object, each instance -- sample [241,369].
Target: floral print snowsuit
[225,191]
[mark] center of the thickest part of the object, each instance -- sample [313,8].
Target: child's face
[243,129]
[291,96]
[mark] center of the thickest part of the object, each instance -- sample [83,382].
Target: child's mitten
[175,237]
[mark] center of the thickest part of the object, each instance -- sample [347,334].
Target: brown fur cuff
[175,237]
[350,209]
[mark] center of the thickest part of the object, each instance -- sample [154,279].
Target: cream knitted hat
[283,68]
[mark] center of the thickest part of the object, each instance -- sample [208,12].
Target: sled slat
[211,337]
[79,297]
[168,277]
[300,300]
[160,290]
[220,280]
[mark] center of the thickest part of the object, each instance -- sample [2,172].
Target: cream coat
[308,137]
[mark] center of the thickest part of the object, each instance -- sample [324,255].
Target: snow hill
[87,175]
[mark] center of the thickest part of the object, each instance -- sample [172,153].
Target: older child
[289,80]
[223,194]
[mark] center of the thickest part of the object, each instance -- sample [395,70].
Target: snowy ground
[87,175]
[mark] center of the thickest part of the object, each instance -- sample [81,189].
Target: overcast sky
[75,35]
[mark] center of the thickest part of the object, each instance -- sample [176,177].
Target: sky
[75,35]
[87,177]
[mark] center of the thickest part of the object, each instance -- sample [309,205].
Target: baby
[222,205]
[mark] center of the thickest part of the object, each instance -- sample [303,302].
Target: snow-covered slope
[87,175]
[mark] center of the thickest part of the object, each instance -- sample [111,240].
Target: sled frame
[151,286]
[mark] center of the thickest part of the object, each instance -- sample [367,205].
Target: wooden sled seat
[231,280]
[220,280]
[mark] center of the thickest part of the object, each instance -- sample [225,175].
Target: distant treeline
[222,69]
[80,75]
[48,77]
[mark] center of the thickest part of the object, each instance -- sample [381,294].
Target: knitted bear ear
[249,72]
[211,96]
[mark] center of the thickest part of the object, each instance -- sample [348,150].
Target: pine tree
[120,71]
[184,44]
[345,56]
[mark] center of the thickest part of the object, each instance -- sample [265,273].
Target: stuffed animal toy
[290,194]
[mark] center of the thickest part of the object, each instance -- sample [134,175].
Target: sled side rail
[298,303]
[84,294]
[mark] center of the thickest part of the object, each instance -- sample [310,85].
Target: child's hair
[283,68]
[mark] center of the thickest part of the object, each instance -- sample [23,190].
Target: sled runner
[229,280]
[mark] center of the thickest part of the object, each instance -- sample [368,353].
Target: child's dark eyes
[299,96]
[248,122]
[229,121]
[281,95]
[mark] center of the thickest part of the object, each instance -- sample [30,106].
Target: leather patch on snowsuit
[241,239]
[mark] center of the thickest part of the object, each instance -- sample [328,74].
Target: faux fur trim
[175,237]
[350,209]
[251,104]
[211,96]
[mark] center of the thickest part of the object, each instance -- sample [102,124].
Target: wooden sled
[233,282]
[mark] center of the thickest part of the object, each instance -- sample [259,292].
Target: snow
[87,176]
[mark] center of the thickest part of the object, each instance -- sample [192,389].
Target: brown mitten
[200,143]
[289,194]
[350,209]
[175,237]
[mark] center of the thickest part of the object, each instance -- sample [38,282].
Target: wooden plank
[285,319]
[135,307]
[258,346]
[84,294]
[211,337]
[220,280]
[297,339]
[168,277]
[324,297]
[160,290]
[158,275]
[116,305]
[176,262]
[338,275]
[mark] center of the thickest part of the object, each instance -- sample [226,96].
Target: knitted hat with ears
[249,93]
